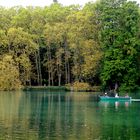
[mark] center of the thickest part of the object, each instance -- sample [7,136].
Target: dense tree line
[57,45]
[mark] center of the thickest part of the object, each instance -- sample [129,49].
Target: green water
[66,116]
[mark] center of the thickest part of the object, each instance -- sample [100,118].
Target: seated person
[116,95]
[106,95]
[126,95]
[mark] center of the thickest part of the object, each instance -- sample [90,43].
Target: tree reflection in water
[65,116]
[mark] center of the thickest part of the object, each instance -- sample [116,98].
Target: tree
[3,42]
[36,29]
[55,35]
[83,35]
[119,40]
[21,46]
[9,79]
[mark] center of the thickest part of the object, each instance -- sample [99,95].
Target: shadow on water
[135,95]
[120,120]
[66,116]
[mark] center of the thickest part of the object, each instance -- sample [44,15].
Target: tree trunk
[52,79]
[59,75]
[39,69]
[66,61]
[49,78]
[59,79]
[66,73]
[69,73]
[49,66]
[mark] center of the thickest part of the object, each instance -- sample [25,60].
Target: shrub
[81,86]
[96,88]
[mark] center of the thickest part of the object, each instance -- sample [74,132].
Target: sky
[10,3]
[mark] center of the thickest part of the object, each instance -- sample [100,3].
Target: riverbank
[51,88]
[61,88]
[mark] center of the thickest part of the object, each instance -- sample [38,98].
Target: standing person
[126,95]
[116,86]
[116,95]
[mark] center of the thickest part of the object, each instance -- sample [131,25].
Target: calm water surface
[66,116]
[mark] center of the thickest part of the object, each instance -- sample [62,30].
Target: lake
[46,115]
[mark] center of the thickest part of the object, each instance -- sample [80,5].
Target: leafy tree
[55,35]
[65,44]
[22,18]
[3,42]
[21,46]
[119,40]
[6,18]
[37,28]
[82,36]
[9,79]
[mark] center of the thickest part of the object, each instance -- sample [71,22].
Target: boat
[107,98]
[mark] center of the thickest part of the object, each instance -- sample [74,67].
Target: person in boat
[116,95]
[126,95]
[106,95]
[116,87]
[115,90]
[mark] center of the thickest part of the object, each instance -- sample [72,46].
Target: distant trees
[56,45]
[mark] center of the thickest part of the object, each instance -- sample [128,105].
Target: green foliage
[63,44]
[119,39]
[3,42]
[9,74]
[96,88]
[92,57]
[20,41]
[81,86]
[21,46]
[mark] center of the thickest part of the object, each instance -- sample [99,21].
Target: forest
[96,44]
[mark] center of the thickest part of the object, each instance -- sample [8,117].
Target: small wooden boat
[107,98]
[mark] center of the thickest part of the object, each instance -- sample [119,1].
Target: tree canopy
[56,45]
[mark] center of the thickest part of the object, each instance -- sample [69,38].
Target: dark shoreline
[58,88]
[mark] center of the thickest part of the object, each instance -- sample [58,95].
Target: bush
[81,86]
[96,88]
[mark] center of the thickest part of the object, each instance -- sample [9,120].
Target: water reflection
[65,116]
[120,120]
[46,116]
[116,104]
